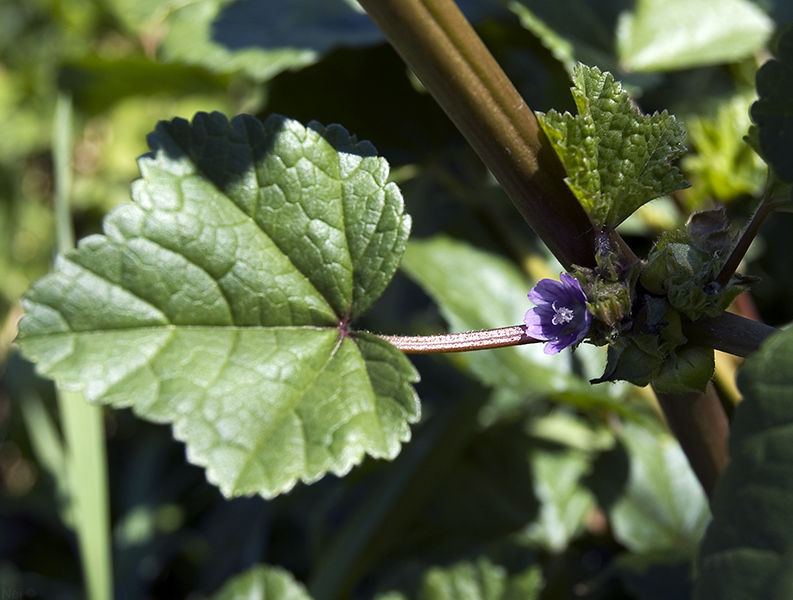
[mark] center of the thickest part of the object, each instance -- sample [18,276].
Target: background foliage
[521,480]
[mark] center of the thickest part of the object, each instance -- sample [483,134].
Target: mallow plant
[225,298]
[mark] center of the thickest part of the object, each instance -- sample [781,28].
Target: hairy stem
[445,53]
[700,424]
[461,342]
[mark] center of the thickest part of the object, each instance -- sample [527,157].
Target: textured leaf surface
[263,583]
[773,111]
[478,290]
[616,158]
[218,301]
[748,548]
[665,35]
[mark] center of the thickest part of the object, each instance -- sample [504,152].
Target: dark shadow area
[609,475]
[318,25]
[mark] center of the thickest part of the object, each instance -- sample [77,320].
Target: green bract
[682,265]
[219,299]
[616,158]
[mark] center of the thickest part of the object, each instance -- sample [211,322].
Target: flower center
[562,315]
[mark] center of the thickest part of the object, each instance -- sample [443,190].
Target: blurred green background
[583,483]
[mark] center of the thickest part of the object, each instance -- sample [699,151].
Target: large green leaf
[664,35]
[616,158]
[263,582]
[574,30]
[748,548]
[564,502]
[219,301]
[773,111]
[662,507]
[97,83]
[263,38]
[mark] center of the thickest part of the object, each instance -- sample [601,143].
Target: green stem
[86,466]
[62,154]
[83,425]
[485,339]
[445,53]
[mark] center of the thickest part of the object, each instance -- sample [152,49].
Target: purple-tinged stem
[742,246]
[461,342]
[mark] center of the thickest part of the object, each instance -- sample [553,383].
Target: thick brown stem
[443,50]
[700,424]
[729,333]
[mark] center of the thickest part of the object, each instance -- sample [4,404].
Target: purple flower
[560,316]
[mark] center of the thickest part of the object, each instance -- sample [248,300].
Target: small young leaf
[219,301]
[773,111]
[616,158]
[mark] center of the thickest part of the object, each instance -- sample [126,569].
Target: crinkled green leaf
[773,111]
[219,300]
[748,548]
[480,580]
[477,290]
[665,35]
[662,506]
[616,158]
[263,582]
